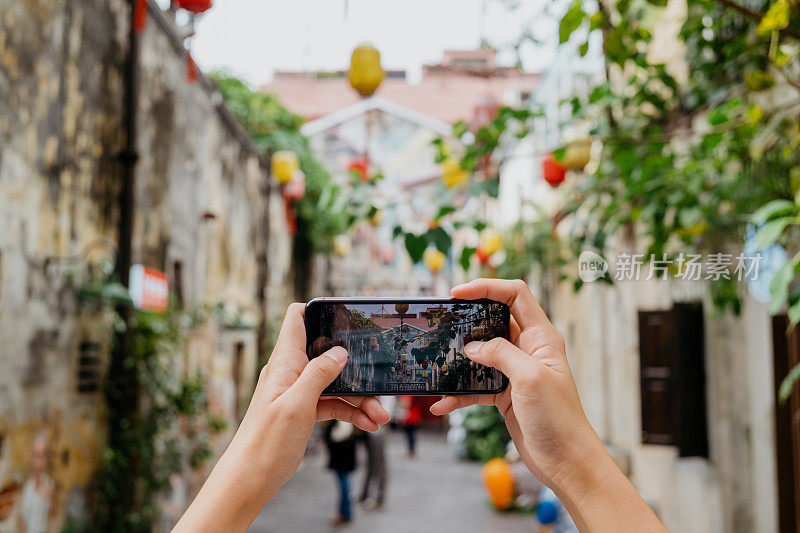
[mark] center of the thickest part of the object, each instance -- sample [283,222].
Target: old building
[204,214]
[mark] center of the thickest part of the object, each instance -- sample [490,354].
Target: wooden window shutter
[673,381]
[655,332]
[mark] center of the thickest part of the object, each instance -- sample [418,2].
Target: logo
[591,266]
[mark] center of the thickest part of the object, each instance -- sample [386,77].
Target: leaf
[779,287]
[776,18]
[774,209]
[415,245]
[396,231]
[444,211]
[788,384]
[770,232]
[596,21]
[466,254]
[583,48]
[440,238]
[491,187]
[571,21]
[657,3]
[559,153]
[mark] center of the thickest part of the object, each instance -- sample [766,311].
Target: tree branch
[754,15]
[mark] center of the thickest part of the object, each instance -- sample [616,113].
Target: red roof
[449,91]
[388,323]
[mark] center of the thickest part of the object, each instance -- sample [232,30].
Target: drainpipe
[122,388]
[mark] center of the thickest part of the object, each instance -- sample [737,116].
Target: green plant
[166,433]
[487,435]
[481,160]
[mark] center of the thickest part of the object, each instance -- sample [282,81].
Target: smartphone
[409,346]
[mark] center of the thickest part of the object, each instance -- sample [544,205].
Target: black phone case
[411,300]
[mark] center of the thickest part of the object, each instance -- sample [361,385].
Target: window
[88,367]
[238,360]
[673,379]
[177,281]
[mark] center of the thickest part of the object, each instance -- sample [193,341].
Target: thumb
[319,373]
[500,354]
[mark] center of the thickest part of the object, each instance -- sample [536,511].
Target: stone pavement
[432,492]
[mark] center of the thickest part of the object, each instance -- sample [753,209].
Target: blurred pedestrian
[36,505]
[376,463]
[340,437]
[412,420]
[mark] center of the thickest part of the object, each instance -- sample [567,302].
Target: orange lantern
[401,310]
[499,482]
[482,255]
[365,73]
[554,172]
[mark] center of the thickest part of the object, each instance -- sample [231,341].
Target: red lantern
[291,216]
[195,6]
[191,69]
[140,16]
[425,363]
[360,167]
[482,256]
[554,172]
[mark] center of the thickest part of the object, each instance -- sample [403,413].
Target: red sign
[149,288]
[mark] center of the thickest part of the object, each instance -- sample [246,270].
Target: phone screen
[413,346]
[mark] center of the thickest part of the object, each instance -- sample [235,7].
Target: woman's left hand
[271,440]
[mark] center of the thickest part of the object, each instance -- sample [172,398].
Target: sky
[252,38]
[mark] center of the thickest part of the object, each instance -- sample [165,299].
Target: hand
[271,440]
[543,412]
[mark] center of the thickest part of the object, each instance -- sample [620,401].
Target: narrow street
[432,492]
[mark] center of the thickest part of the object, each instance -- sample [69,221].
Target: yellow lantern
[393,369]
[401,308]
[377,218]
[341,245]
[365,73]
[373,342]
[453,175]
[434,259]
[491,241]
[444,367]
[424,373]
[577,154]
[284,165]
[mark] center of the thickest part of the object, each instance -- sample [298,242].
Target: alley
[432,492]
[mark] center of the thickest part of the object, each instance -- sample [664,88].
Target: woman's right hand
[544,415]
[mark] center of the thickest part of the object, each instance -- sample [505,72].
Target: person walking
[411,421]
[340,438]
[375,444]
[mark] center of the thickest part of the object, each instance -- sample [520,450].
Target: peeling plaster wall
[201,203]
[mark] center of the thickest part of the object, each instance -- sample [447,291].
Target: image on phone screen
[407,346]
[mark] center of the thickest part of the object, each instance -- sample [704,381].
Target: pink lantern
[295,190]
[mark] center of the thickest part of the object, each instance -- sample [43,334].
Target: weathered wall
[732,490]
[201,212]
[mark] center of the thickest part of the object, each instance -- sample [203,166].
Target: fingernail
[457,287]
[473,347]
[338,354]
